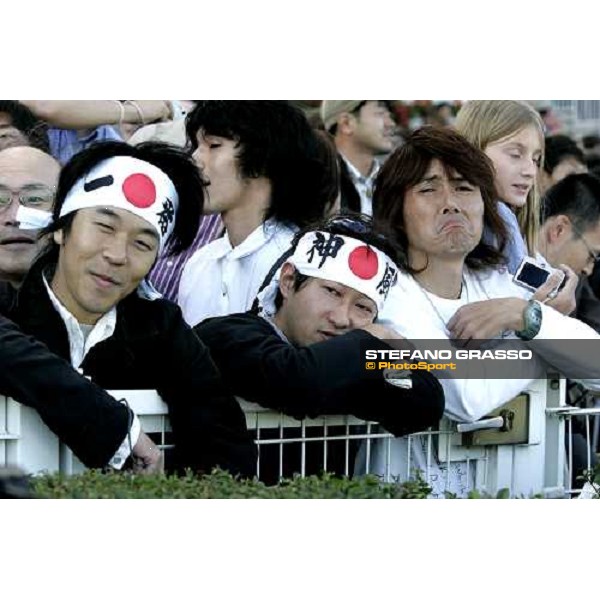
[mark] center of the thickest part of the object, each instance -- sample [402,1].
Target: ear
[561,228]
[58,237]
[286,279]
[346,123]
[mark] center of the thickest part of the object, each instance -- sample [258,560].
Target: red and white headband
[342,259]
[131,184]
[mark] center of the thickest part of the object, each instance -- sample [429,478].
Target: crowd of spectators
[219,249]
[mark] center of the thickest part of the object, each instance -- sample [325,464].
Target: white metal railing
[346,446]
[584,423]
[579,117]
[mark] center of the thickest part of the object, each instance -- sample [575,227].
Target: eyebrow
[29,186]
[108,212]
[434,178]
[522,146]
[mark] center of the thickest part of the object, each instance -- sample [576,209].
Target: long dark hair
[408,165]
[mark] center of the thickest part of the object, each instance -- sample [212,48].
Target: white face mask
[33,218]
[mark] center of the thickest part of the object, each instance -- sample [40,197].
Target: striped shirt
[167,272]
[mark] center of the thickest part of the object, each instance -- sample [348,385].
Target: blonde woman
[511,133]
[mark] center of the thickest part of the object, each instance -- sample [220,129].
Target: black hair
[274,141]
[557,149]
[590,141]
[576,196]
[23,119]
[173,161]
[355,225]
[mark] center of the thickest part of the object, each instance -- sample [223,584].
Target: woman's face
[516,160]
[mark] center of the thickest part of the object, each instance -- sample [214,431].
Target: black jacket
[90,421]
[325,378]
[153,348]
[349,196]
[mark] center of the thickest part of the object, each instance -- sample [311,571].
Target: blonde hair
[484,122]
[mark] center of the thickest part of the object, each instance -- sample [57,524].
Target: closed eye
[145,246]
[105,226]
[332,291]
[365,308]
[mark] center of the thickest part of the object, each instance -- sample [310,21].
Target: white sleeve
[124,450]
[556,343]
[468,400]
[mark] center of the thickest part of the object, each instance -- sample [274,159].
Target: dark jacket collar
[36,314]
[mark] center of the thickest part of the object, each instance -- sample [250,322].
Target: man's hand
[147,458]
[382,332]
[563,301]
[487,319]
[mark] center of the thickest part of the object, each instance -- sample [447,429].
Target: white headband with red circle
[131,184]
[342,259]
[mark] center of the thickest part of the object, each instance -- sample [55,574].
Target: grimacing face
[103,258]
[320,309]
[443,216]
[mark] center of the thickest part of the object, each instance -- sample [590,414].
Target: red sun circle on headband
[363,262]
[139,190]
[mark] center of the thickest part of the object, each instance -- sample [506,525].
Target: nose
[449,201]
[115,250]
[8,216]
[529,168]
[389,122]
[199,157]
[588,269]
[340,316]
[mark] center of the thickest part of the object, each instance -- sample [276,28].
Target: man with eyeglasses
[28,180]
[570,235]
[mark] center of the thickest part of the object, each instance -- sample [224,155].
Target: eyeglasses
[593,256]
[42,199]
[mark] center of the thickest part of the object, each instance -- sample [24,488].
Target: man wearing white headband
[301,353]
[116,206]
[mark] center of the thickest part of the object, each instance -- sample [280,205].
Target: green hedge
[94,484]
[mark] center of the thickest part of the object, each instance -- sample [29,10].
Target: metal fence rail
[486,456]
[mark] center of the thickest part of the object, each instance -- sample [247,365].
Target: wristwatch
[532,316]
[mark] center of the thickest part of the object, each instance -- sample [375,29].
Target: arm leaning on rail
[83,416]
[326,378]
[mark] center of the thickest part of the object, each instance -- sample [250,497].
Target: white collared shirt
[221,280]
[79,346]
[364,185]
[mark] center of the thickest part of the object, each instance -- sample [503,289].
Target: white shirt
[221,280]
[364,185]
[409,309]
[80,345]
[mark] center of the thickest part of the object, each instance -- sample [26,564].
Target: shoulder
[160,314]
[236,325]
